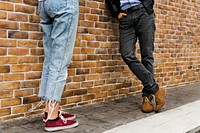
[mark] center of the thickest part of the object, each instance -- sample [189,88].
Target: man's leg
[146,30]
[128,40]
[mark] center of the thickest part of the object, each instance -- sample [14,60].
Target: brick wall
[97,72]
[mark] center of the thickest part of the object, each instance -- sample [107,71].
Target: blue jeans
[58,19]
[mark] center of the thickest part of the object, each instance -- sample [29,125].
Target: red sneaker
[60,123]
[64,114]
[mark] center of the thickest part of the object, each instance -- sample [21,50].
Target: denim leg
[47,25]
[145,32]
[128,37]
[63,33]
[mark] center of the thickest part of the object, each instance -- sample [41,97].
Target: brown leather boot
[160,99]
[147,106]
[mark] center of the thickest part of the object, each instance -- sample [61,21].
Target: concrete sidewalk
[125,116]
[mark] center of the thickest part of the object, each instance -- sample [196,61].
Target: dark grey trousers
[139,25]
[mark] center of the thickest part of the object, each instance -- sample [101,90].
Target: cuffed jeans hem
[50,99]
[150,90]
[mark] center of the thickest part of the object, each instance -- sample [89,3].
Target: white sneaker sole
[51,129]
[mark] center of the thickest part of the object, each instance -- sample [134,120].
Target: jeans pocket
[56,5]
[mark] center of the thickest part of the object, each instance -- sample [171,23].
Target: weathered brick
[34,19]
[37,67]
[91,4]
[87,84]
[28,59]
[11,102]
[79,58]
[24,9]
[6,94]
[17,34]
[27,43]
[74,99]
[22,93]
[35,36]
[5,111]
[32,2]
[6,6]
[88,97]
[72,86]
[18,51]
[9,85]
[20,68]
[21,109]
[11,117]
[68,93]
[33,75]
[3,51]
[30,84]
[80,92]
[8,60]
[7,43]
[3,34]
[17,17]
[9,25]
[13,77]
[29,27]
[94,90]
[82,71]
[18,1]
[30,99]
[3,15]
[4,69]
[79,78]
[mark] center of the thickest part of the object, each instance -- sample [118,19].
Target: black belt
[132,9]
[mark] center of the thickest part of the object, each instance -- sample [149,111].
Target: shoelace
[38,105]
[52,106]
[63,119]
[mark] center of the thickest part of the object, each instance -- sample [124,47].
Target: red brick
[3,34]
[9,25]
[10,102]
[20,68]
[3,51]
[8,60]
[18,51]
[35,36]
[6,6]
[21,109]
[18,34]
[6,94]
[27,43]
[34,19]
[9,85]
[5,111]
[17,17]
[29,27]
[30,99]
[32,2]
[23,93]
[3,15]
[24,9]
[13,77]
[4,69]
